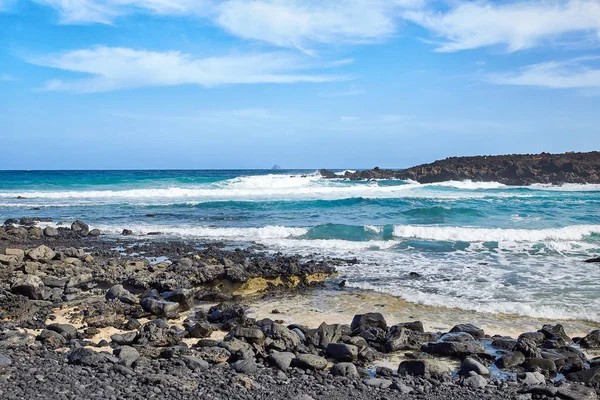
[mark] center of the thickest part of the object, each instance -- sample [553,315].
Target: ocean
[474,246]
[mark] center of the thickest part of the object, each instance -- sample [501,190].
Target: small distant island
[512,169]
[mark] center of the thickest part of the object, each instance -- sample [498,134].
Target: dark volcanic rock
[80,228]
[514,169]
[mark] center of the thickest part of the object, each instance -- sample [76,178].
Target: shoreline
[202,314]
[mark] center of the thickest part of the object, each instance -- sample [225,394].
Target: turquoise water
[477,246]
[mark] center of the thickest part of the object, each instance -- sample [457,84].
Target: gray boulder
[363,322]
[80,228]
[472,365]
[475,382]
[160,308]
[50,231]
[471,329]
[120,293]
[127,355]
[41,253]
[310,361]
[30,286]
[429,367]
[247,366]
[282,360]
[345,369]
[342,351]
[510,360]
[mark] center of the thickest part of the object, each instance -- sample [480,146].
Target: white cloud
[578,73]
[114,68]
[105,11]
[285,23]
[516,24]
[300,23]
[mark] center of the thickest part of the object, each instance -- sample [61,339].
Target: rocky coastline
[85,315]
[513,169]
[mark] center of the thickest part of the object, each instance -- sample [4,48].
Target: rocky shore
[514,169]
[83,315]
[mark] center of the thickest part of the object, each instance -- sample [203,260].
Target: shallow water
[475,246]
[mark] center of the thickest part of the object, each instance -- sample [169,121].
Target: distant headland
[512,169]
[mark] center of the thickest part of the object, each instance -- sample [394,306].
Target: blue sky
[100,84]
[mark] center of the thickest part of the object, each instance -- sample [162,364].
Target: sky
[203,84]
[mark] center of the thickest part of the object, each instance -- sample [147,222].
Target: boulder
[324,334]
[281,338]
[247,366]
[118,292]
[50,231]
[30,286]
[528,346]
[127,355]
[213,354]
[505,343]
[5,361]
[576,392]
[127,338]
[429,367]
[342,352]
[591,340]
[453,349]
[94,233]
[553,332]
[416,326]
[80,228]
[590,377]
[547,367]
[401,338]
[310,361]
[127,232]
[85,356]
[282,360]
[378,383]
[475,382]
[457,337]
[251,335]
[16,253]
[41,253]
[66,330]
[52,338]
[363,322]
[471,329]
[238,348]
[195,363]
[510,360]
[531,378]
[345,369]
[200,330]
[160,308]
[469,365]
[184,297]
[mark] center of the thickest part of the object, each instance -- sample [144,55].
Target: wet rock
[457,337]
[534,337]
[471,329]
[345,369]
[342,352]
[30,286]
[591,340]
[282,360]
[547,367]
[528,346]
[429,367]
[118,292]
[472,365]
[590,377]
[510,360]
[41,253]
[363,322]
[552,332]
[453,349]
[310,361]
[505,343]
[80,228]
[50,231]
[127,232]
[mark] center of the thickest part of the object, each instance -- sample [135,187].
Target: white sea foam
[469,185]
[454,233]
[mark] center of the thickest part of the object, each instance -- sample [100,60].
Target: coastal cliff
[513,169]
